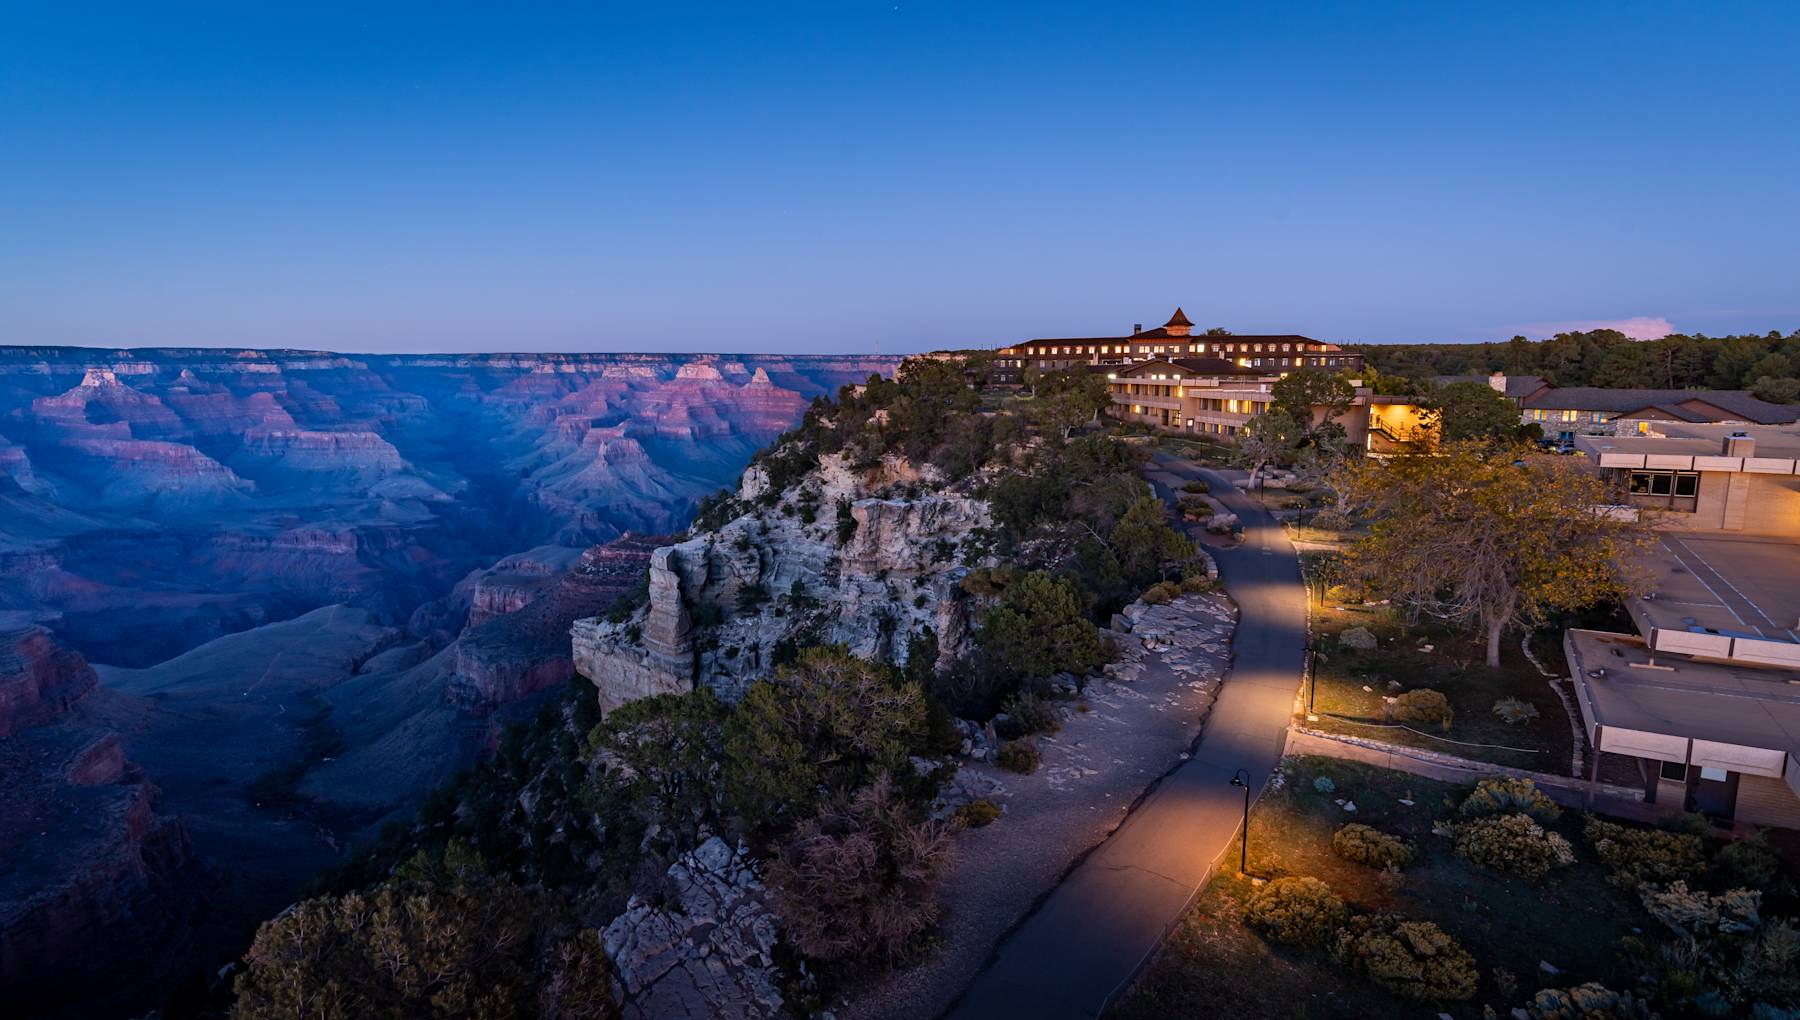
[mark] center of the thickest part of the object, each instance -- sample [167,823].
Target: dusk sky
[833,177]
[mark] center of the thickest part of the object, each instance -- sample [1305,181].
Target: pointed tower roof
[1178,319]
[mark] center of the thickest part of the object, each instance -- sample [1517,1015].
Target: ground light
[1243,779]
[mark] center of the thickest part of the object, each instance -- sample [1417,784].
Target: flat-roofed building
[1175,339]
[1706,696]
[1743,479]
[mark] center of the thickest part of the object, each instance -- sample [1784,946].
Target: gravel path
[1143,720]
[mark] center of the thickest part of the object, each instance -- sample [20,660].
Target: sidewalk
[1090,936]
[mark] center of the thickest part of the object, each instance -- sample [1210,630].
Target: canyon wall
[312,586]
[92,870]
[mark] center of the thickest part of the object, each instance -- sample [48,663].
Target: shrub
[978,813]
[1505,795]
[1297,911]
[1515,844]
[1018,756]
[1032,714]
[1323,784]
[1638,856]
[1592,1001]
[860,880]
[1747,863]
[442,937]
[1363,844]
[1197,486]
[846,521]
[1162,593]
[1412,959]
[1695,914]
[1515,711]
[1425,707]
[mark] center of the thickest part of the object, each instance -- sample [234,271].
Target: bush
[442,937]
[1362,844]
[1032,714]
[1592,1001]
[1638,856]
[1162,593]
[1323,784]
[1505,795]
[1018,756]
[978,813]
[860,880]
[1196,486]
[1515,844]
[1747,863]
[1515,711]
[1424,707]
[1412,959]
[1296,911]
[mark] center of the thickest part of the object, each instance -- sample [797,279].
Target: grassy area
[1353,684]
[1202,450]
[1213,966]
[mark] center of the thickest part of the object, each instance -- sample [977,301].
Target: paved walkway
[1090,936]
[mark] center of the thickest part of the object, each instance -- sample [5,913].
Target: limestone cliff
[726,603]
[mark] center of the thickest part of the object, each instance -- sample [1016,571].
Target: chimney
[1136,328]
[1739,444]
[1497,383]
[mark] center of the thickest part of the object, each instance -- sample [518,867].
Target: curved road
[1088,938]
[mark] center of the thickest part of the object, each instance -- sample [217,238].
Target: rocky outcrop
[772,578]
[707,951]
[39,679]
[90,880]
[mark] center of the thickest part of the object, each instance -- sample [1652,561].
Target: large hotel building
[1176,339]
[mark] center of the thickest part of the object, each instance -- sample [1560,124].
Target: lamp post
[1243,779]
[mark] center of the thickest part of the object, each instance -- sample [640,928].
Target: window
[1677,490]
[1673,771]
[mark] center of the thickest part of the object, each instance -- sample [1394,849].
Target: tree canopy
[1474,536]
[443,938]
[1472,410]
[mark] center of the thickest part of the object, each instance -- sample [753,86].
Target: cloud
[1638,327]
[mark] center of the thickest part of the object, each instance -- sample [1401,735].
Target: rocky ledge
[723,603]
[707,949]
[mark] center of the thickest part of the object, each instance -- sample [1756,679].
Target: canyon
[255,603]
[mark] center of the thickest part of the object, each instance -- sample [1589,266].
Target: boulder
[1359,638]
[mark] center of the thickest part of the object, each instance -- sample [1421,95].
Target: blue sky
[833,177]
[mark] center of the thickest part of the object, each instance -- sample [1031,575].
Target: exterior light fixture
[1242,778]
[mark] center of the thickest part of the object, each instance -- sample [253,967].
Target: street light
[1243,779]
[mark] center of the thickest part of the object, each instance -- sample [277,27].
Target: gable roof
[1732,405]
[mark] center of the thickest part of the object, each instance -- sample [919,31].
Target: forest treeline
[1768,365]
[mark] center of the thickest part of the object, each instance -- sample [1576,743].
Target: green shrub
[1515,711]
[1747,863]
[1637,856]
[1162,593]
[1362,844]
[977,813]
[1032,714]
[1424,707]
[1018,756]
[1505,795]
[1412,959]
[1515,844]
[1592,1001]
[1196,486]
[1296,911]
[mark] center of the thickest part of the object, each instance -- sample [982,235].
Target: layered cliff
[870,558]
[201,469]
[92,870]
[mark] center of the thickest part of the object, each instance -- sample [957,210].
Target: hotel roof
[1687,405]
[1687,439]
